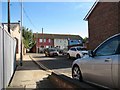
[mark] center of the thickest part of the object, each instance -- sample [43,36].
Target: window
[118,50]
[73,49]
[49,40]
[44,40]
[40,40]
[109,47]
[79,49]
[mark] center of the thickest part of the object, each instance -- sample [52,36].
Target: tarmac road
[59,64]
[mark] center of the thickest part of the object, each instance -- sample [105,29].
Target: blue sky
[54,17]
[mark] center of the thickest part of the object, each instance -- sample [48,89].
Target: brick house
[53,40]
[103,22]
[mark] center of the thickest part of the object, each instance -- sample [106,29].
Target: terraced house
[55,40]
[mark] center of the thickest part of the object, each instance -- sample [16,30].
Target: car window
[118,50]
[73,49]
[81,49]
[109,47]
[52,50]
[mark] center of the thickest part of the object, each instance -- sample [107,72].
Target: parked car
[60,51]
[100,67]
[51,52]
[65,50]
[76,52]
[41,50]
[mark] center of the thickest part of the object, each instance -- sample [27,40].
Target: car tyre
[68,56]
[76,73]
[78,56]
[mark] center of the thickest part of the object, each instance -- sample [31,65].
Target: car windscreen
[52,50]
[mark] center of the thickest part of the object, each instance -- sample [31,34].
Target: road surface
[59,64]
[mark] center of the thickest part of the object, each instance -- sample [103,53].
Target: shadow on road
[57,62]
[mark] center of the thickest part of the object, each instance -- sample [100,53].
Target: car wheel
[78,56]
[76,73]
[68,56]
[45,55]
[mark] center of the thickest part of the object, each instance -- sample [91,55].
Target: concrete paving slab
[28,75]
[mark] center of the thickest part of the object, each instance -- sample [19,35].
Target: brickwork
[103,22]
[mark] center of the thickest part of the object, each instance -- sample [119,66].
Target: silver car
[101,66]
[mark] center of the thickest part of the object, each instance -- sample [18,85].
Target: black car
[51,52]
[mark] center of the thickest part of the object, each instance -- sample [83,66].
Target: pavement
[30,76]
[33,75]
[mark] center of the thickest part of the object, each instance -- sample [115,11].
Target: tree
[28,38]
[85,39]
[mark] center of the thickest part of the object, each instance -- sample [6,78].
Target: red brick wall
[102,23]
[47,43]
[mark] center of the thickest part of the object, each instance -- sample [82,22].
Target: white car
[101,66]
[76,52]
[51,52]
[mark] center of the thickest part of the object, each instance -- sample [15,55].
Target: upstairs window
[49,40]
[44,40]
[40,40]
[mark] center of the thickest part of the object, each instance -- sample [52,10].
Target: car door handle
[107,60]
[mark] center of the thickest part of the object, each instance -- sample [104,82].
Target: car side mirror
[91,53]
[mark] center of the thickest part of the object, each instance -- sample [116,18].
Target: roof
[58,36]
[0,25]
[91,10]
[93,7]
[12,25]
